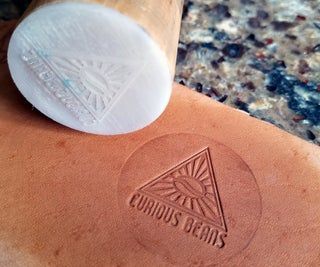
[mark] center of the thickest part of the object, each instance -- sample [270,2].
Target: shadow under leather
[14,108]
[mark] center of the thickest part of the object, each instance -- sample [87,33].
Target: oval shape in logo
[189,186]
[93,80]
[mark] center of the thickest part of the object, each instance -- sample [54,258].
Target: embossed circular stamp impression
[189,199]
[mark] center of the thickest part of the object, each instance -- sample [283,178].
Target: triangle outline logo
[97,83]
[190,187]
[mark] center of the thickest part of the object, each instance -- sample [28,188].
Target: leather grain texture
[243,193]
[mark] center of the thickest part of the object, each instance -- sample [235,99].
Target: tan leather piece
[71,199]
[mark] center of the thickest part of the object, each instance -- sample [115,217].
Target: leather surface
[72,199]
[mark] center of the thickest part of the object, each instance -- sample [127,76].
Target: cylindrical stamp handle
[159,18]
[103,67]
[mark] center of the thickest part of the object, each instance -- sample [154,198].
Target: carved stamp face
[104,80]
[95,84]
[188,194]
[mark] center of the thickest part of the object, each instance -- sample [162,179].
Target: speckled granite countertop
[260,56]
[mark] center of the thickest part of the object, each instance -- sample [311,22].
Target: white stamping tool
[102,69]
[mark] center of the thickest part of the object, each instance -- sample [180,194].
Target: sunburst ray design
[96,83]
[191,187]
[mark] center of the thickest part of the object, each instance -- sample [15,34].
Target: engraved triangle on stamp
[97,84]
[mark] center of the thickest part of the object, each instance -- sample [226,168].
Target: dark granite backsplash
[260,56]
